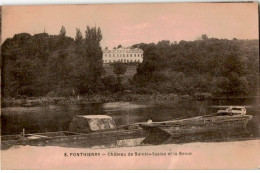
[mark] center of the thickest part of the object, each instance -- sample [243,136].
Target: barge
[91,128]
[222,121]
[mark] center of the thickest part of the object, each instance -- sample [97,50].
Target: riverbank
[97,98]
[200,155]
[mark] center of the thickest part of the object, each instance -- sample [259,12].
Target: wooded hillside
[57,65]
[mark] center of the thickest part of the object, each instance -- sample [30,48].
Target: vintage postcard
[130,86]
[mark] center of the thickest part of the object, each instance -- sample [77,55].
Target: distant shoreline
[155,98]
[96,98]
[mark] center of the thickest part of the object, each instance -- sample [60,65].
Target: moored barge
[82,128]
[224,121]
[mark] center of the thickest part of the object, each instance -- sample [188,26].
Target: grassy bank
[97,98]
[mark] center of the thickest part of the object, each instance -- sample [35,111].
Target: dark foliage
[119,68]
[218,66]
[57,65]
[41,64]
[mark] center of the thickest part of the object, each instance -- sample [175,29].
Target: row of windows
[124,55]
[121,60]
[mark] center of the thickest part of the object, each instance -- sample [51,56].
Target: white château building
[124,55]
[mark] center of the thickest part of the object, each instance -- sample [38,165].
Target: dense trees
[218,66]
[45,64]
[58,65]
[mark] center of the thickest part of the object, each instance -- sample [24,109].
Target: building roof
[95,116]
[121,48]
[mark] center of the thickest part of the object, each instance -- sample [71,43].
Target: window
[105,61]
[113,55]
[126,55]
[138,55]
[109,61]
[130,55]
[135,55]
[124,60]
[123,55]
[113,60]
[127,61]
[109,55]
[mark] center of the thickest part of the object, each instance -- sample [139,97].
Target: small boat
[82,128]
[224,121]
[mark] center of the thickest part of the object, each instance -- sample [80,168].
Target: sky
[128,24]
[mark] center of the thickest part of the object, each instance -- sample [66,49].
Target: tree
[79,37]
[233,63]
[119,68]
[62,31]
[92,65]
[119,46]
[92,42]
[204,37]
[111,84]
[79,46]
[238,86]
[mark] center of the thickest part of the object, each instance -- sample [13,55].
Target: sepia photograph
[134,86]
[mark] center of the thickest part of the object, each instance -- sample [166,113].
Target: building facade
[124,55]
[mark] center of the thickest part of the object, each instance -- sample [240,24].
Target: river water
[58,117]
